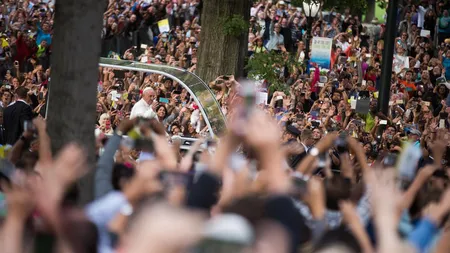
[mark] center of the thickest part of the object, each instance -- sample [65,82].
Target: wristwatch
[314,152]
[126,210]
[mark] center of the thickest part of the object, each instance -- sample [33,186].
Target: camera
[341,143]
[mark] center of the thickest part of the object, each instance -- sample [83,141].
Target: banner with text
[321,52]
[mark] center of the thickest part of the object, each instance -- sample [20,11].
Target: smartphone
[173,178]
[279,104]
[28,126]
[226,78]
[322,158]
[164,100]
[315,124]
[248,93]
[383,122]
[390,160]
[314,115]
[300,185]
[357,122]
[341,143]
[443,116]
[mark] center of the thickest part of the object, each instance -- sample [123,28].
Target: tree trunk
[72,94]
[370,13]
[221,54]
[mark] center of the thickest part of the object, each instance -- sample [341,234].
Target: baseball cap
[415,132]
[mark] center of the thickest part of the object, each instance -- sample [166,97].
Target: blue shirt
[41,35]
[446,64]
[444,25]
[423,234]
[101,212]
[413,230]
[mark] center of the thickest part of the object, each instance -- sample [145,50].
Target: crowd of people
[313,167]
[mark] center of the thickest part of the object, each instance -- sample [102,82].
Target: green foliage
[234,25]
[299,3]
[356,5]
[268,66]
[382,4]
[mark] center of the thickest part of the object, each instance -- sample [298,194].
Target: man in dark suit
[16,114]
[2,129]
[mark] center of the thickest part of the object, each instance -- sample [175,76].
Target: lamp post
[311,9]
[388,53]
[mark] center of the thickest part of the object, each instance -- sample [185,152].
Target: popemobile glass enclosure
[199,90]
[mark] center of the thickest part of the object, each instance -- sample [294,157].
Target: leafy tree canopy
[356,5]
[269,67]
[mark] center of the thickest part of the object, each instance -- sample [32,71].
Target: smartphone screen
[336,84]
[442,123]
[28,126]
[322,160]
[314,115]
[164,100]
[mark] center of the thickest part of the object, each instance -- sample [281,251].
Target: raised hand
[262,132]
[438,146]
[49,189]
[19,199]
